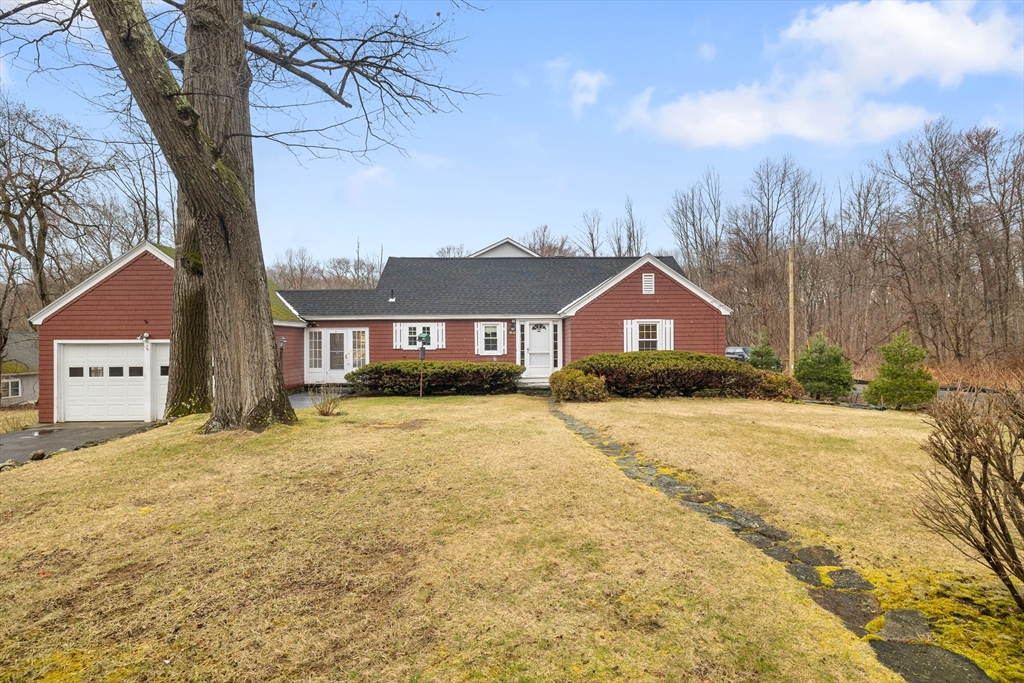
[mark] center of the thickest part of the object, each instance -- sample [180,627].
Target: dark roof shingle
[434,287]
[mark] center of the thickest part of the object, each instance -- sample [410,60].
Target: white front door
[333,353]
[537,342]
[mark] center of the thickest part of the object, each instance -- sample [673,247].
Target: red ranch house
[503,303]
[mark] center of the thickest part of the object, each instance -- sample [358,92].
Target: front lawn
[448,539]
[13,419]
[846,478]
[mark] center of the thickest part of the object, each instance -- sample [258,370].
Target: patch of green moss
[977,621]
[875,625]
[826,580]
[70,666]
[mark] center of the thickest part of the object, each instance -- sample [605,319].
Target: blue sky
[592,102]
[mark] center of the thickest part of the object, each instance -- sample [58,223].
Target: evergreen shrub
[901,381]
[823,369]
[763,356]
[402,377]
[570,384]
[668,373]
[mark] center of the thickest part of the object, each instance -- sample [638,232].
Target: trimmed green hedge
[402,377]
[681,373]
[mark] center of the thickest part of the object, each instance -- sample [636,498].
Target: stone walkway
[902,644]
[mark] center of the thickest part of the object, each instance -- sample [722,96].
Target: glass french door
[333,353]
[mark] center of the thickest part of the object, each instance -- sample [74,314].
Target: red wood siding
[133,300]
[597,327]
[294,376]
[460,342]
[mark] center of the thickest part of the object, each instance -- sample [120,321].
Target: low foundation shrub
[682,373]
[402,377]
[668,373]
[573,385]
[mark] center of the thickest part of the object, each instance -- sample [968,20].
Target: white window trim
[631,334]
[478,336]
[400,338]
[10,384]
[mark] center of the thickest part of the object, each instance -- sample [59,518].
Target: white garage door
[113,382]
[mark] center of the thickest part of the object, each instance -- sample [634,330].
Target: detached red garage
[104,347]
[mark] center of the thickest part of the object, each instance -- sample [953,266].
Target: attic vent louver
[648,283]
[392,299]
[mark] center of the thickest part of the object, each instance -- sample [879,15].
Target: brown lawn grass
[846,478]
[459,539]
[13,419]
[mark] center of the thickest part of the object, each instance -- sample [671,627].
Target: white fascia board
[428,318]
[98,277]
[575,306]
[289,323]
[290,307]
[507,240]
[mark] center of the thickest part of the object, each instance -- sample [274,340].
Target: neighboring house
[505,303]
[104,347]
[19,374]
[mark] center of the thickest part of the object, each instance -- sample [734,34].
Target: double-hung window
[406,335]
[491,339]
[10,388]
[648,335]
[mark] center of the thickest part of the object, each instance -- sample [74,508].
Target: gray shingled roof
[433,287]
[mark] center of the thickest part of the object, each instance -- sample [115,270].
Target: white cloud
[585,86]
[884,45]
[365,179]
[706,51]
[863,50]
[556,71]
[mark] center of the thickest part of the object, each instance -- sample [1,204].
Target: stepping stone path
[848,597]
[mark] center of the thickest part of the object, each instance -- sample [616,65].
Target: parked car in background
[746,354]
[738,352]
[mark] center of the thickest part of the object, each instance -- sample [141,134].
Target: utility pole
[792,312]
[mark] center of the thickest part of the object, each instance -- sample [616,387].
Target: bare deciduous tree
[975,493]
[628,235]
[46,169]
[931,238]
[544,242]
[298,269]
[589,240]
[375,63]
[452,251]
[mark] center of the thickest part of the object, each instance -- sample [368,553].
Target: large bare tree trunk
[188,390]
[212,161]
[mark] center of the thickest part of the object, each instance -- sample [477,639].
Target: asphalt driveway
[20,445]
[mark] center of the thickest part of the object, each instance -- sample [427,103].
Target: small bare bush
[975,493]
[325,399]
[572,385]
